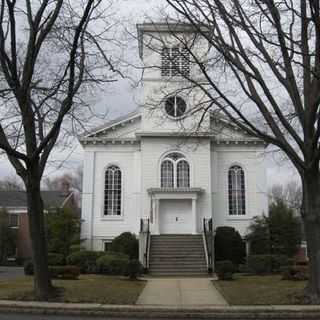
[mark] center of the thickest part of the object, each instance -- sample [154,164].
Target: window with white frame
[175,62]
[13,220]
[175,171]
[112,191]
[236,185]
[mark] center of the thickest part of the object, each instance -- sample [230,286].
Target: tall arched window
[112,191]
[183,174]
[237,198]
[167,174]
[175,171]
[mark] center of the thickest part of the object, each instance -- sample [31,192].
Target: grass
[261,290]
[89,288]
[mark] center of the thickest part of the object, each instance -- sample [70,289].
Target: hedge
[56,272]
[64,272]
[85,260]
[134,269]
[224,270]
[267,263]
[55,259]
[112,264]
[126,243]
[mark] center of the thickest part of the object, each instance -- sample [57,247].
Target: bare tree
[66,181]
[11,183]
[290,193]
[52,54]
[262,71]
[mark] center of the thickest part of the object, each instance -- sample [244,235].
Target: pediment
[120,128]
[223,129]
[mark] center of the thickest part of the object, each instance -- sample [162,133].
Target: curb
[134,311]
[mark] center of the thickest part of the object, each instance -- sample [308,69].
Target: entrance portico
[174,210]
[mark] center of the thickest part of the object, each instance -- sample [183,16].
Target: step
[177,255]
[177,259]
[177,248]
[178,271]
[177,244]
[175,252]
[169,266]
[177,262]
[195,254]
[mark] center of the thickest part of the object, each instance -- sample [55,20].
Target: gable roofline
[222,118]
[110,124]
[18,199]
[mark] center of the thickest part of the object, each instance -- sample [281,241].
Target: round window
[175,106]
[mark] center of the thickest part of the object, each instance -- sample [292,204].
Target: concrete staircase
[177,255]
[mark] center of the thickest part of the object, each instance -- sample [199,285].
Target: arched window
[112,191]
[183,174]
[175,171]
[167,180]
[237,198]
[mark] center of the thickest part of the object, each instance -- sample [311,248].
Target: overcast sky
[120,98]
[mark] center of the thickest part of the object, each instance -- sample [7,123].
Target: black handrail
[145,228]
[208,235]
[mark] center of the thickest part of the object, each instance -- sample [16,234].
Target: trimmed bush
[267,263]
[64,272]
[126,243]
[260,263]
[228,245]
[28,268]
[134,269]
[296,273]
[278,261]
[55,259]
[76,248]
[117,254]
[85,260]
[112,264]
[224,270]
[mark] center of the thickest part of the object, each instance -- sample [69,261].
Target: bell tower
[170,54]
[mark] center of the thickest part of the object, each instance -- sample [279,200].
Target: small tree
[285,229]
[280,233]
[8,240]
[63,231]
[259,236]
[229,245]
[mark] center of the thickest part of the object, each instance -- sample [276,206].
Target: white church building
[160,164]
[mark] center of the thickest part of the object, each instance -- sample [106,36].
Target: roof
[111,123]
[18,199]
[167,27]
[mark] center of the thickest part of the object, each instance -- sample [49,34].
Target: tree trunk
[42,282]
[311,218]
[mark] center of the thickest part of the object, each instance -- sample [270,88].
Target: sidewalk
[181,292]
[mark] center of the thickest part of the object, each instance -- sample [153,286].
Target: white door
[175,216]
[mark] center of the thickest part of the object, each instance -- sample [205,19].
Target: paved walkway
[181,292]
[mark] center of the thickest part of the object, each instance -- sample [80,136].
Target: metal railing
[145,240]
[208,239]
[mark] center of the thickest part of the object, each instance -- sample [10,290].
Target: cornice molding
[108,141]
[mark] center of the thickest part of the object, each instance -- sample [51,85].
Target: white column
[194,215]
[157,217]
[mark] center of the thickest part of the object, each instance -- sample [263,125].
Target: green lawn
[261,290]
[89,288]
